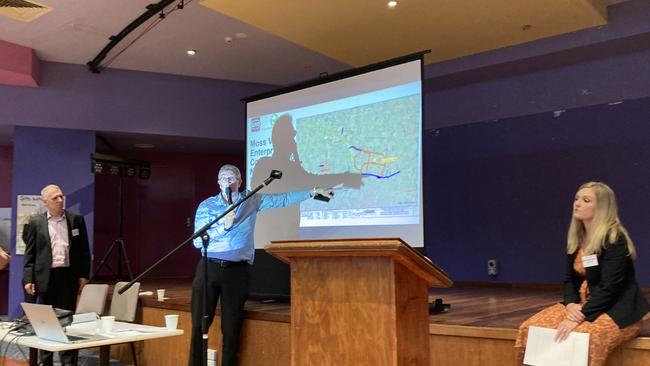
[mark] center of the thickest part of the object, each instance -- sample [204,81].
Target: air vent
[23,10]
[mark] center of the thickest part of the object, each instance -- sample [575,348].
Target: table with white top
[122,333]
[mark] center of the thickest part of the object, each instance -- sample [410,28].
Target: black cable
[4,355]
[149,27]
[145,31]
[94,65]
[20,349]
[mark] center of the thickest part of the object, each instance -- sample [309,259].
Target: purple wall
[50,155]
[590,83]
[504,189]
[501,170]
[128,101]
[6,162]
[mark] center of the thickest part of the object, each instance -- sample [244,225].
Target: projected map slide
[366,147]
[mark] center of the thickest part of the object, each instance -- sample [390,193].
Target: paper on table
[542,350]
[120,334]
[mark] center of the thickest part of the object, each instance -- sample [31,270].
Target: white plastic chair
[124,306]
[92,299]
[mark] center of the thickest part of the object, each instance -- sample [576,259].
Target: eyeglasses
[227,179]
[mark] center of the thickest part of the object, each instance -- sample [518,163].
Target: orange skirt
[604,334]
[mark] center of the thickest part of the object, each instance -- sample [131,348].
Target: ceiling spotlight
[191,52]
[241,35]
[392,4]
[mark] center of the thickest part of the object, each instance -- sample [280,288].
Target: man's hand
[30,288]
[326,193]
[564,329]
[5,258]
[574,313]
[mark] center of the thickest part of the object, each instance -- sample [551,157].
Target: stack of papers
[543,350]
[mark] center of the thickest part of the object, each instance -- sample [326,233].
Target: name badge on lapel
[75,232]
[589,260]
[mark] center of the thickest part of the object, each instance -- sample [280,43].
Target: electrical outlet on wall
[492,267]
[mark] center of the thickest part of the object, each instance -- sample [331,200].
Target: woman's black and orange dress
[611,301]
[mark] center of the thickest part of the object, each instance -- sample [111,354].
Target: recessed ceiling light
[392,4]
[191,52]
[144,146]
[241,35]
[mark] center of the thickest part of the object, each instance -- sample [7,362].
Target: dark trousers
[62,294]
[230,282]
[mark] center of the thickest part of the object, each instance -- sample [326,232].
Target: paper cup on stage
[107,323]
[171,321]
[161,294]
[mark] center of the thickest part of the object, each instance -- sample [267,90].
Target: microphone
[229,195]
[275,174]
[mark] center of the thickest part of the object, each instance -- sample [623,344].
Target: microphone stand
[203,233]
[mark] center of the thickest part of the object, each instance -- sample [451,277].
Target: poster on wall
[5,228]
[28,205]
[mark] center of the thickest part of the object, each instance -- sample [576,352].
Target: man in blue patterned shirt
[231,250]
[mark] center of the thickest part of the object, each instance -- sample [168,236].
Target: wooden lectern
[358,301]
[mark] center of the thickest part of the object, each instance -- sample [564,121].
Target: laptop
[46,325]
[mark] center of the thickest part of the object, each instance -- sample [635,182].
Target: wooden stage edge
[479,329]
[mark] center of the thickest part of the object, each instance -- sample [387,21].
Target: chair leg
[133,355]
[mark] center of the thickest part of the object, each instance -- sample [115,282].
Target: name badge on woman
[589,260]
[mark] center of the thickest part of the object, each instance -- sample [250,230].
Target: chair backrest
[123,306]
[92,299]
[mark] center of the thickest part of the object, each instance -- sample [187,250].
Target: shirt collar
[49,216]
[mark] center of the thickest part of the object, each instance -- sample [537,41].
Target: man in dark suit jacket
[57,259]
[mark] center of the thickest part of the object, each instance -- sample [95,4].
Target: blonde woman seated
[601,295]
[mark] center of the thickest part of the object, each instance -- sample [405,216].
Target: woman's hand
[564,329]
[574,313]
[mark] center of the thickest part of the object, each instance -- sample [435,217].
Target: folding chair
[124,306]
[92,299]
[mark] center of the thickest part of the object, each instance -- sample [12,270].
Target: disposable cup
[107,323]
[171,321]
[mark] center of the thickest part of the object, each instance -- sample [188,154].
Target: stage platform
[479,328]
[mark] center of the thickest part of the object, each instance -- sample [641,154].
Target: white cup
[171,321]
[107,323]
[98,326]
[161,294]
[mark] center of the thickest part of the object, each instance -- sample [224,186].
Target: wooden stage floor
[471,305]
[478,330]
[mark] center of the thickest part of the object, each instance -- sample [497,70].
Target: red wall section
[155,213]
